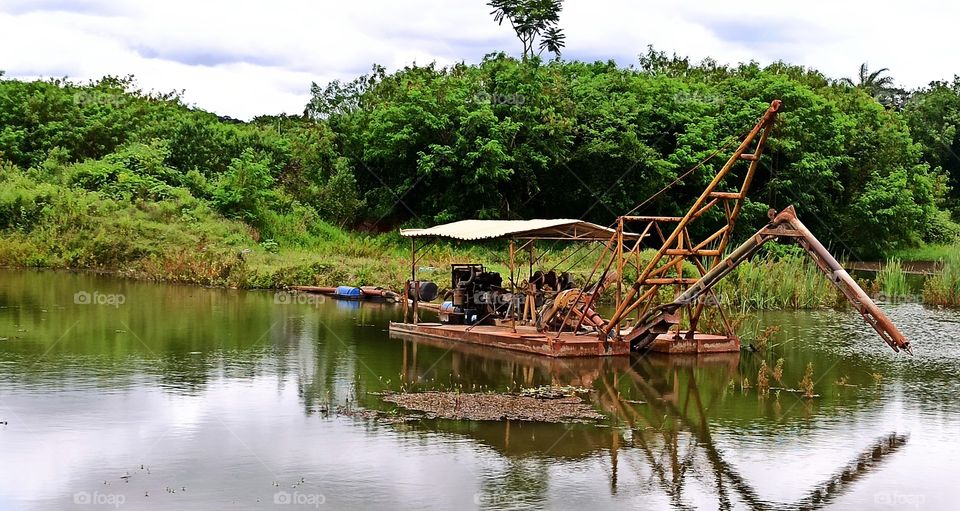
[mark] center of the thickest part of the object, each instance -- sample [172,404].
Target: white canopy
[562,228]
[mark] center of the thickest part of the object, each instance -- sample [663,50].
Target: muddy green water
[229,399]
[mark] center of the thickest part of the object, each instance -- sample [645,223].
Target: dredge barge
[671,295]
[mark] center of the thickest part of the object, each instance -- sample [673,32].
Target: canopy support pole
[513,287]
[415,289]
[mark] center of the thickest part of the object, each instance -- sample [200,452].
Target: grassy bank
[927,252]
[180,238]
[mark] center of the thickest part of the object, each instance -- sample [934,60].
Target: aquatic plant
[806,383]
[788,282]
[778,371]
[892,281]
[943,288]
[763,381]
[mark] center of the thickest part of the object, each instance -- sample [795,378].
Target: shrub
[245,191]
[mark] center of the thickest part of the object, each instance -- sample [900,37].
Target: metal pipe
[783,224]
[845,283]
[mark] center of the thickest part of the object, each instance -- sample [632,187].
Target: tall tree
[532,20]
[880,87]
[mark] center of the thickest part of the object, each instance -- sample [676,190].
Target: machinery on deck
[477,296]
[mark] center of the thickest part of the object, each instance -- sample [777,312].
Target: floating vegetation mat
[556,406]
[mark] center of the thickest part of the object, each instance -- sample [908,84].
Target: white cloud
[243,58]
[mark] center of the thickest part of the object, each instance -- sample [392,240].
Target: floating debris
[365,414]
[553,391]
[496,407]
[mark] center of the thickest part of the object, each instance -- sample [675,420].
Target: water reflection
[668,425]
[225,392]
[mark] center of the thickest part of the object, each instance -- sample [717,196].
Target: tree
[532,20]
[245,191]
[933,115]
[875,84]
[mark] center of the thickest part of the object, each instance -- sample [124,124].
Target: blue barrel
[449,313]
[348,292]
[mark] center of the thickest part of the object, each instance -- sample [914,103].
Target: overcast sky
[242,58]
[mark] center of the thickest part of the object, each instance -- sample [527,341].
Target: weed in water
[763,381]
[778,371]
[806,383]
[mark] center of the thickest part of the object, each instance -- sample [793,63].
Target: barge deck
[528,339]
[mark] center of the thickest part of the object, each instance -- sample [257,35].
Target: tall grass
[943,288]
[788,282]
[892,281]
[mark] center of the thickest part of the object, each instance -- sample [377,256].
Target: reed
[806,383]
[763,380]
[787,282]
[943,288]
[892,281]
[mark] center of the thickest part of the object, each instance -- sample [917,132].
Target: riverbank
[182,239]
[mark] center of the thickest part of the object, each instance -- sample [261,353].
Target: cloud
[209,57]
[244,57]
[87,7]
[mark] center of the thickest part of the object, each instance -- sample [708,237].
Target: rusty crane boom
[710,259]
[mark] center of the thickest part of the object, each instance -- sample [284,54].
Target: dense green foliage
[104,175]
[569,139]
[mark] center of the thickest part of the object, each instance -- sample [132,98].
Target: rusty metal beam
[762,126]
[653,322]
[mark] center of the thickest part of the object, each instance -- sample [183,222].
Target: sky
[243,58]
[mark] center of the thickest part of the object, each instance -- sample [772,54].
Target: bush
[941,229]
[943,288]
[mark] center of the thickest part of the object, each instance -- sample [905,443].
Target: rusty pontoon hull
[525,339]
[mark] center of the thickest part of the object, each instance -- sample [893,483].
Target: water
[228,400]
